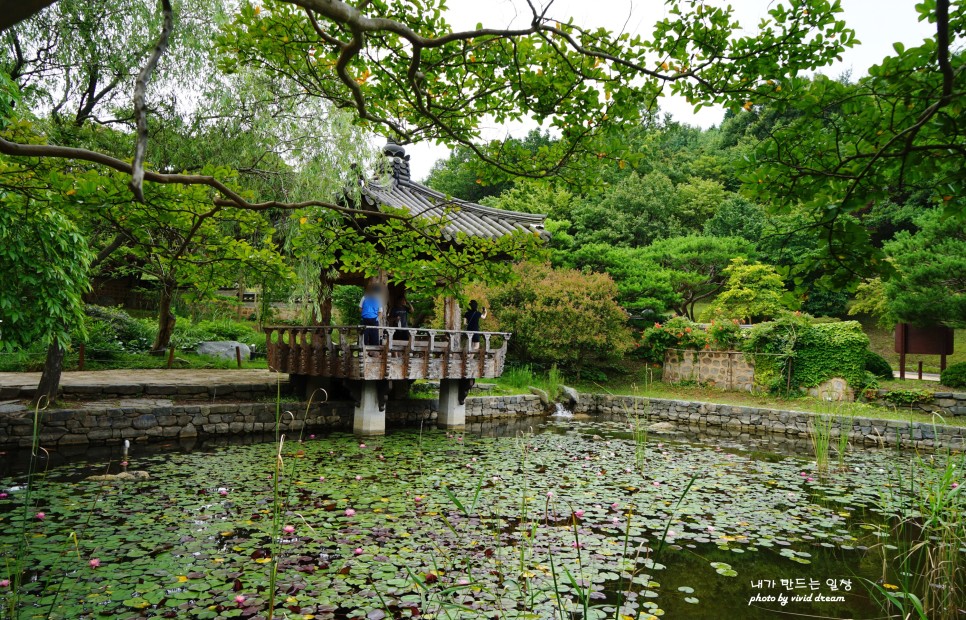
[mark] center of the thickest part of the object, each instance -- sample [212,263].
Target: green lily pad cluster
[441,525]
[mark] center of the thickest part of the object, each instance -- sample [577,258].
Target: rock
[224,349]
[569,397]
[661,427]
[544,397]
[124,475]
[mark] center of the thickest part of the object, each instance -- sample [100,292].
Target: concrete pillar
[451,413]
[368,419]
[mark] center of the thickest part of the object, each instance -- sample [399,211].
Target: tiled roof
[398,191]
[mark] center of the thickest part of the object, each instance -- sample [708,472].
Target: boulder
[661,427]
[544,399]
[224,349]
[569,397]
[124,475]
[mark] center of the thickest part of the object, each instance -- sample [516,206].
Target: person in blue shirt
[371,307]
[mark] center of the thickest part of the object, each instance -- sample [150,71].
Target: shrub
[676,333]
[561,316]
[954,376]
[907,398]
[877,365]
[816,352]
[726,335]
[230,330]
[112,331]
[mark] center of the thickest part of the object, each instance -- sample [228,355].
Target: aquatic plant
[820,433]
[433,531]
[929,526]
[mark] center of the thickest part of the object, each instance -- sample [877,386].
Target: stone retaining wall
[943,403]
[234,391]
[724,369]
[153,422]
[748,421]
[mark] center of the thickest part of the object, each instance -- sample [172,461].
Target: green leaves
[421,80]
[43,268]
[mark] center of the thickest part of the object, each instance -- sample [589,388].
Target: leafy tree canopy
[930,285]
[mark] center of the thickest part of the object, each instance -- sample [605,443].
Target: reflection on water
[109,453]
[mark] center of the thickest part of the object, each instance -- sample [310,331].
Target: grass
[519,380]
[636,383]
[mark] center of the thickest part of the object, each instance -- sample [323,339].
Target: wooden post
[82,349]
[942,362]
[170,355]
[920,370]
[238,356]
[901,337]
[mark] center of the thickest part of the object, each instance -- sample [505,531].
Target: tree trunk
[326,287]
[166,322]
[50,378]
[451,314]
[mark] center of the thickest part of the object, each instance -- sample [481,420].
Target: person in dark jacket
[473,317]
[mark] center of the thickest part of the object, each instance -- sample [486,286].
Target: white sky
[878,24]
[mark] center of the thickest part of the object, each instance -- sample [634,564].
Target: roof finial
[398,158]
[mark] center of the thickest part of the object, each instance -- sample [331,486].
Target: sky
[877,23]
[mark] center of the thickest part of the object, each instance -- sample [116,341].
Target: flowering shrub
[725,335]
[676,333]
[562,317]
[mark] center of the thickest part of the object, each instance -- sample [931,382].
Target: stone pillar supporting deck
[369,418]
[452,413]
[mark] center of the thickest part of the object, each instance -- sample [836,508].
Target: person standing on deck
[371,307]
[401,311]
[472,318]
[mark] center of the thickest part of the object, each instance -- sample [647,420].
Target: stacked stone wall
[724,369]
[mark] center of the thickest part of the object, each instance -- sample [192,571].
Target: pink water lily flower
[656,483]
[362,446]
[41,516]
[358,551]
[418,498]
[578,513]
[614,506]
[954,485]
[222,492]
[94,562]
[4,496]
[358,477]
[240,599]
[549,493]
[289,529]
[4,583]
[349,512]
[311,436]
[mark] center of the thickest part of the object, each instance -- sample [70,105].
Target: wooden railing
[402,353]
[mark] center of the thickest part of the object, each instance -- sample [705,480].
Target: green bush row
[794,344]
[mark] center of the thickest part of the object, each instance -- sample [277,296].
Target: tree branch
[140,110]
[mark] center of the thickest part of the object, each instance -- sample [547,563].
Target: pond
[576,519]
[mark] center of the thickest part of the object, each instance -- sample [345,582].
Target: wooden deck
[412,353]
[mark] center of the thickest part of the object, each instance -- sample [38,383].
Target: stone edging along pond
[144,421]
[758,421]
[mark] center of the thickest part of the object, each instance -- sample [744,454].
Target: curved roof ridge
[473,206]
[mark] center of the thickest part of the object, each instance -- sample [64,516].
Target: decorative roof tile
[460,216]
